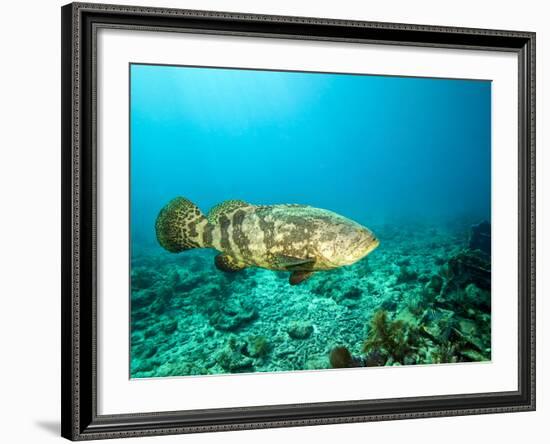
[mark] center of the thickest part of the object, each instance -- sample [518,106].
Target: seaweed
[417,303]
[257,346]
[394,339]
[374,359]
[445,353]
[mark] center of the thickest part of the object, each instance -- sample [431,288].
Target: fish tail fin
[182,226]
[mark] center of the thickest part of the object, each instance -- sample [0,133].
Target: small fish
[295,238]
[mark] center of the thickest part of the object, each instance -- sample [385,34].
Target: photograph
[275,222]
[283,221]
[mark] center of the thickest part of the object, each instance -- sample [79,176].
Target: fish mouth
[364,248]
[371,244]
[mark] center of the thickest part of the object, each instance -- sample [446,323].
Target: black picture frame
[79,206]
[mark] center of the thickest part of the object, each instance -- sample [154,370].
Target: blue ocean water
[409,158]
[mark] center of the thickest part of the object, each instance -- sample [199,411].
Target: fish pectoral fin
[297,277]
[228,263]
[293,263]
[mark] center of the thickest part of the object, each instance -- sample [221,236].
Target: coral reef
[300,330]
[423,297]
[232,358]
[480,237]
[469,266]
[390,339]
[406,274]
[232,315]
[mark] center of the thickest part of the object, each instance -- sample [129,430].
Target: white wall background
[30,220]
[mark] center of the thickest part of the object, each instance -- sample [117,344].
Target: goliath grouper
[296,238]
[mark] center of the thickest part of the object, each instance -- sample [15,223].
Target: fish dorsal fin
[226,207]
[294,263]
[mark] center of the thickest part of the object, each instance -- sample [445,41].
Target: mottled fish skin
[296,238]
[261,235]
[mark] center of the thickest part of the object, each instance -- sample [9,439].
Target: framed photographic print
[278,221]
